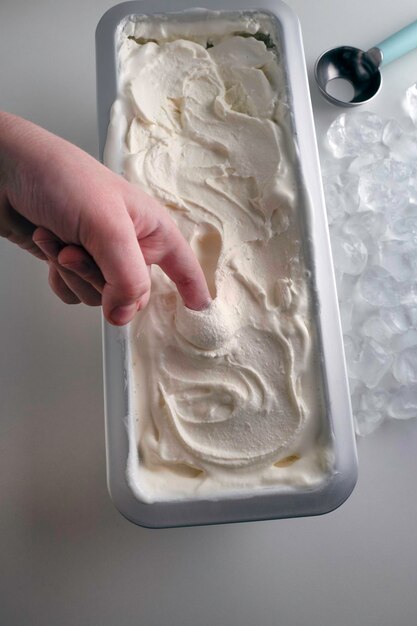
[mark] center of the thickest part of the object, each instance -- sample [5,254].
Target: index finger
[181,265]
[162,243]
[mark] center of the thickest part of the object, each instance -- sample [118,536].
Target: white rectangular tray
[268,504]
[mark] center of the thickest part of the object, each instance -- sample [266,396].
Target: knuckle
[133,290]
[101,221]
[187,281]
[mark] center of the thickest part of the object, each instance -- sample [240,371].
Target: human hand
[99,233]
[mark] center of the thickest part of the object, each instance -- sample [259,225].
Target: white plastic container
[256,504]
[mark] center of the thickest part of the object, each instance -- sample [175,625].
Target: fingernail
[50,247]
[123,314]
[205,305]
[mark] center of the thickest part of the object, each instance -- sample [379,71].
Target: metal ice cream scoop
[348,76]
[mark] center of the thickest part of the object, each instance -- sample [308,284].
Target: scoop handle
[399,43]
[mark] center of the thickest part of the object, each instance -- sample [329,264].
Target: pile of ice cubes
[370,186]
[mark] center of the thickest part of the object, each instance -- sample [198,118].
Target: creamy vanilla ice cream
[227,400]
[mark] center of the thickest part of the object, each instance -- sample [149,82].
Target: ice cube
[408,293]
[377,329]
[405,366]
[366,422]
[411,102]
[349,254]
[351,134]
[349,185]
[403,145]
[335,203]
[376,400]
[374,152]
[373,363]
[408,339]
[372,185]
[392,133]
[399,319]
[404,226]
[378,287]
[368,226]
[348,285]
[412,189]
[345,289]
[388,170]
[399,258]
[407,148]
[341,194]
[381,196]
[331,167]
[403,404]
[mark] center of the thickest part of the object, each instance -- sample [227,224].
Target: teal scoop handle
[398,44]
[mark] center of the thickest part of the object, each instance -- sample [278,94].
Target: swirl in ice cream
[226,398]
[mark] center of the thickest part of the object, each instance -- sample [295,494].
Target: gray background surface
[67,557]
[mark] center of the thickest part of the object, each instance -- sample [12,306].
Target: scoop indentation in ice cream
[208,329]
